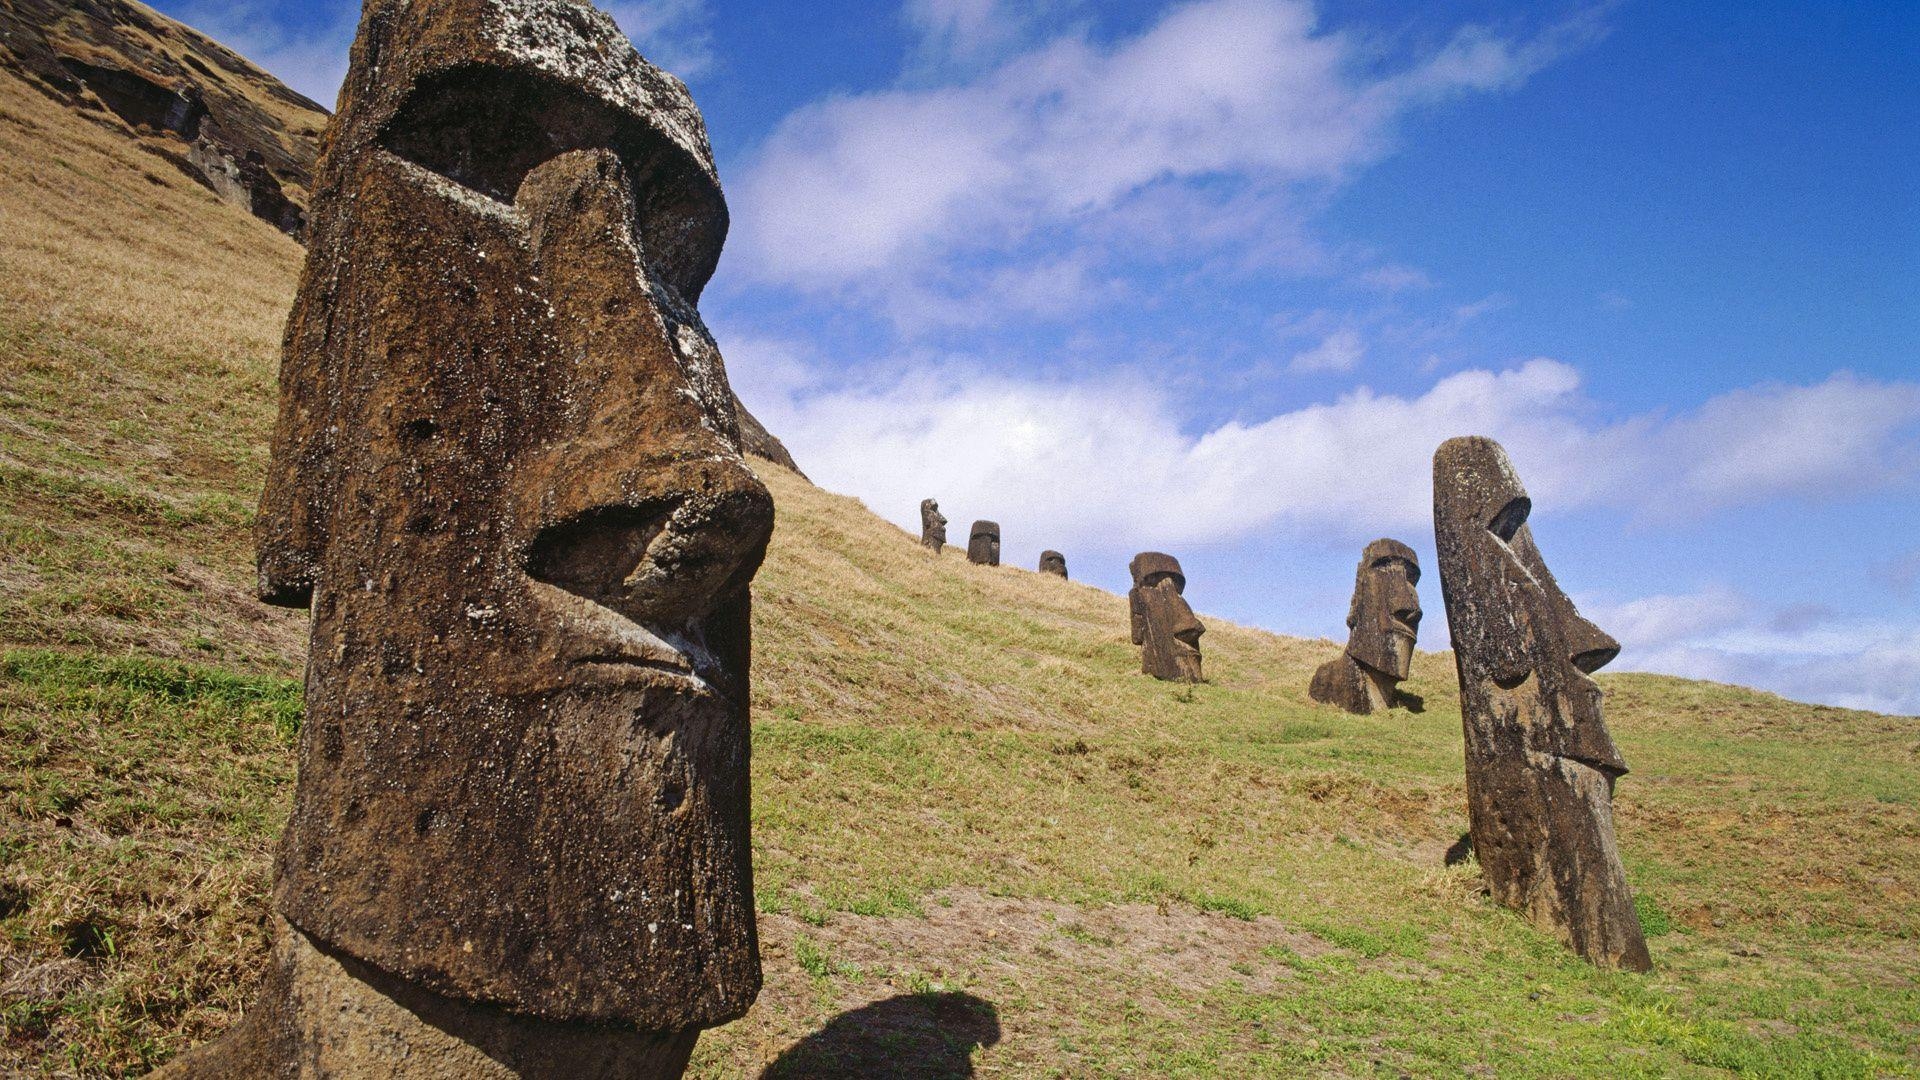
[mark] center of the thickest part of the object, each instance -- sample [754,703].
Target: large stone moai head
[1163,625]
[506,476]
[1540,763]
[983,543]
[933,526]
[1052,562]
[1383,621]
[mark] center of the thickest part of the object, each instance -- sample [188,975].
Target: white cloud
[671,34]
[1858,664]
[311,59]
[1102,462]
[1655,621]
[1341,350]
[869,189]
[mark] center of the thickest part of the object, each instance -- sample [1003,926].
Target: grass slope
[984,843]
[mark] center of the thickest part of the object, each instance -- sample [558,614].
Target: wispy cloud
[1341,350]
[1083,143]
[1090,461]
[304,48]
[673,34]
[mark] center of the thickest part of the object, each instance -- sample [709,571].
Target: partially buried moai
[1163,625]
[983,543]
[1383,622]
[506,477]
[933,526]
[1052,562]
[1540,762]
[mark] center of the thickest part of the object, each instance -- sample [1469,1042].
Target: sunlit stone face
[1164,626]
[933,526]
[1384,617]
[507,476]
[983,543]
[1540,761]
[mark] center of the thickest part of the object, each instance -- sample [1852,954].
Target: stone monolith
[506,478]
[1052,562]
[1163,625]
[1540,762]
[1383,622]
[933,526]
[983,543]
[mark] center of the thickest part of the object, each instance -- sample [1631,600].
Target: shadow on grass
[924,1036]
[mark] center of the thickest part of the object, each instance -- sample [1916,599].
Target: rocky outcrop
[179,94]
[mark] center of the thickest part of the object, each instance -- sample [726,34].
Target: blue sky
[1216,277]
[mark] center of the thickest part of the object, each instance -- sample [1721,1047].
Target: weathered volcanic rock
[1052,562]
[205,109]
[1540,762]
[983,543]
[933,526]
[1163,625]
[1383,620]
[507,479]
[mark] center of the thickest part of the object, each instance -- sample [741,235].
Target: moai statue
[1540,763]
[506,478]
[1052,562]
[1384,621]
[983,544]
[1163,624]
[933,526]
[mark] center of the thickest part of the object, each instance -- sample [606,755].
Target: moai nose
[1589,648]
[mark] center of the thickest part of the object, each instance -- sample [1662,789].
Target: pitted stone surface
[1163,625]
[1540,763]
[507,479]
[933,526]
[983,543]
[1383,620]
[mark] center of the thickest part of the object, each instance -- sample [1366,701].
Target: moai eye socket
[486,129]
[1511,516]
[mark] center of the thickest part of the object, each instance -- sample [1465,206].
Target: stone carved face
[506,474]
[1540,761]
[1163,625]
[1052,562]
[933,524]
[1385,614]
[983,544]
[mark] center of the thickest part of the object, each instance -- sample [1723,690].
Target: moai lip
[933,526]
[1540,763]
[1052,562]
[1163,625]
[506,478]
[1383,621]
[983,543]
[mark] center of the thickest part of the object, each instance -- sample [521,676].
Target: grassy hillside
[982,840]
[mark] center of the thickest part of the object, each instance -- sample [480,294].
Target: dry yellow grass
[982,839]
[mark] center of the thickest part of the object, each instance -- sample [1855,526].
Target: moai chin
[1383,621]
[1540,762]
[506,477]
[933,526]
[1052,562]
[983,543]
[1163,625]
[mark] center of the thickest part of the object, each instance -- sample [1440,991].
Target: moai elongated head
[933,526]
[1540,762]
[1052,562]
[506,476]
[983,543]
[1384,622]
[1163,625]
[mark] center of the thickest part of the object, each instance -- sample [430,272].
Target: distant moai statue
[983,543]
[507,480]
[1540,762]
[933,526]
[1163,625]
[1383,621]
[1052,562]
